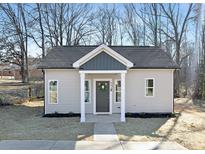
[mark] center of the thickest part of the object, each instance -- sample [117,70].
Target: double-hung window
[117,91]
[87,91]
[149,87]
[53,91]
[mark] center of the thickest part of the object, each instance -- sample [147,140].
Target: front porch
[95,110]
[102,118]
[102,60]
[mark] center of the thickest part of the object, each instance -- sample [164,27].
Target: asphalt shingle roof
[141,57]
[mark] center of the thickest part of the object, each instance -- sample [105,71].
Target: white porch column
[122,97]
[82,97]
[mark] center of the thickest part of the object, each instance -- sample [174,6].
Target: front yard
[25,122]
[22,119]
[188,128]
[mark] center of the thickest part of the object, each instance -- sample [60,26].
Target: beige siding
[69,91]
[135,91]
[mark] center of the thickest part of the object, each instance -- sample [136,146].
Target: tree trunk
[42,30]
[176,83]
[177,72]
[22,73]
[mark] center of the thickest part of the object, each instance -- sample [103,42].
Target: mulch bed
[151,115]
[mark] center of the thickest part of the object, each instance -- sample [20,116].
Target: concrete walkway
[105,132]
[86,145]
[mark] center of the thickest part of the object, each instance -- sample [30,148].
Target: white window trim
[145,87]
[116,80]
[89,84]
[49,92]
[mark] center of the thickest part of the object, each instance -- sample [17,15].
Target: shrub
[4,101]
[151,115]
[56,114]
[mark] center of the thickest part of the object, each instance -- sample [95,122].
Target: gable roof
[100,49]
[142,57]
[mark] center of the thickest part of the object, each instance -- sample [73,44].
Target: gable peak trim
[99,49]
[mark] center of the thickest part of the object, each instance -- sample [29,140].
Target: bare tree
[201,72]
[178,25]
[105,24]
[151,18]
[120,28]
[24,43]
[60,24]
[42,33]
[132,26]
[66,24]
[14,35]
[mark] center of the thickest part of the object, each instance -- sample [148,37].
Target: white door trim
[94,96]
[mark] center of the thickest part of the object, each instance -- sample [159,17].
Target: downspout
[173,90]
[44,82]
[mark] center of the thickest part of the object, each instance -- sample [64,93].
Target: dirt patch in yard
[188,129]
[25,122]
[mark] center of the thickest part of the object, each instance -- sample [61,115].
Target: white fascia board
[100,49]
[103,71]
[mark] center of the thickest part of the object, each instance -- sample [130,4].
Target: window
[149,87]
[87,91]
[117,91]
[53,92]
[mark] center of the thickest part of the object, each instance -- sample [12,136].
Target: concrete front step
[99,118]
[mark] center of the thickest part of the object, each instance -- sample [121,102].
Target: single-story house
[107,80]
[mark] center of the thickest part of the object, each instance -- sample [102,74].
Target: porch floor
[102,118]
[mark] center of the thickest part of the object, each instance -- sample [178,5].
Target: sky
[34,50]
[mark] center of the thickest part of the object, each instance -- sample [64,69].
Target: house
[13,71]
[107,80]
[6,71]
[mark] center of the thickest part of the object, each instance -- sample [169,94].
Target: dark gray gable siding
[103,61]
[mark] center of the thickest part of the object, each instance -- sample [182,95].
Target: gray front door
[102,96]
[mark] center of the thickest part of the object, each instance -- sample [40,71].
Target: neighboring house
[34,73]
[108,79]
[13,71]
[6,71]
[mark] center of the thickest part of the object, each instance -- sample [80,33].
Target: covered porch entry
[100,62]
[98,102]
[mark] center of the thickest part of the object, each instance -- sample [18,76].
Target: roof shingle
[142,57]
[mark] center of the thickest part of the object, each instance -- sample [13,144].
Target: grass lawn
[188,129]
[25,122]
